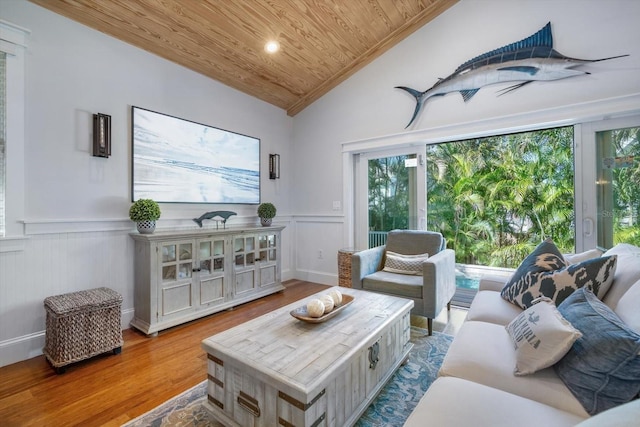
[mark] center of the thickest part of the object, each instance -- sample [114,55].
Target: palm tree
[496,198]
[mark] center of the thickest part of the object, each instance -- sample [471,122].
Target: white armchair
[430,292]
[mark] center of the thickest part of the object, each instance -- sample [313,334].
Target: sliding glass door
[610,172]
[494,198]
[394,196]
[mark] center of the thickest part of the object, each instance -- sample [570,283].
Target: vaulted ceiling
[322,42]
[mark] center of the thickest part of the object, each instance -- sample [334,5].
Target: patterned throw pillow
[541,337]
[545,273]
[602,368]
[404,264]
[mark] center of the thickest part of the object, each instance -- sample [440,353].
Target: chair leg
[430,326]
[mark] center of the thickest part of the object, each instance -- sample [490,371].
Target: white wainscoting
[317,241]
[52,264]
[57,257]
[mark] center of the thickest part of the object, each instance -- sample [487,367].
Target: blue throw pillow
[545,273]
[602,368]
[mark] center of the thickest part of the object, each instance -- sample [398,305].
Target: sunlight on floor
[448,322]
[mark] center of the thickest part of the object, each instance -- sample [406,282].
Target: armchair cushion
[404,264]
[402,285]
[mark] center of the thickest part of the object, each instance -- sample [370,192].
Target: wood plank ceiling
[322,42]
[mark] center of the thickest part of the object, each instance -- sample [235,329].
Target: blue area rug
[391,408]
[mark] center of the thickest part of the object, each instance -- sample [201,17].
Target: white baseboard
[29,346]
[317,277]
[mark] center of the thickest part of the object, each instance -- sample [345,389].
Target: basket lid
[80,300]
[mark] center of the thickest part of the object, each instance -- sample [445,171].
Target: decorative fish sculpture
[530,59]
[224,215]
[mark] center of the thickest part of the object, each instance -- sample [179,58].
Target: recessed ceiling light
[272,46]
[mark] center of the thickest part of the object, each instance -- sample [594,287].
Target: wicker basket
[344,267]
[81,325]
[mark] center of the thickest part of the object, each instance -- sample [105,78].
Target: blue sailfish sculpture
[531,59]
[215,216]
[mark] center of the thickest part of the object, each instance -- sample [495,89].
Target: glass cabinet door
[211,256]
[244,249]
[268,247]
[177,261]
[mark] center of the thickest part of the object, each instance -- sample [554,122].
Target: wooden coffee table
[279,370]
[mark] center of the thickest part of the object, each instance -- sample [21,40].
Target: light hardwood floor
[110,390]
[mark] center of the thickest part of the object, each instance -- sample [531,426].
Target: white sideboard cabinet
[186,274]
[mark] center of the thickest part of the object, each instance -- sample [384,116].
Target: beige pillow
[541,337]
[404,264]
[582,256]
[627,272]
[627,308]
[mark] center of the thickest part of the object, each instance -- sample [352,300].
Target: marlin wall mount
[531,59]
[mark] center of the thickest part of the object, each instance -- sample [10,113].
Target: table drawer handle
[249,404]
[374,352]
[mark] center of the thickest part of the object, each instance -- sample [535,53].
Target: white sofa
[476,385]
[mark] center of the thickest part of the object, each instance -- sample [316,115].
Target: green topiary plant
[144,210]
[266,210]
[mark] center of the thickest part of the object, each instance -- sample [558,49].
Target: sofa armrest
[492,283]
[439,276]
[364,263]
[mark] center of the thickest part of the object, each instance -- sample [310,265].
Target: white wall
[367,105]
[75,220]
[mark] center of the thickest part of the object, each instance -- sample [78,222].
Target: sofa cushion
[489,306]
[483,353]
[627,272]
[541,337]
[457,402]
[405,285]
[545,273]
[621,416]
[627,308]
[602,369]
[404,264]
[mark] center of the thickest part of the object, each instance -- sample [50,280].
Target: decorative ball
[328,303]
[315,308]
[336,295]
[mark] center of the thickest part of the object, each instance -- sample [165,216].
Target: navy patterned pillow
[545,273]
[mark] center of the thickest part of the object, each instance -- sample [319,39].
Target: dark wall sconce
[274,166]
[101,135]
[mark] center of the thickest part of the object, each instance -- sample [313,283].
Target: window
[13,46]
[3,133]
[495,198]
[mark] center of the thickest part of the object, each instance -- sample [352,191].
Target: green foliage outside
[495,199]
[388,194]
[626,186]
